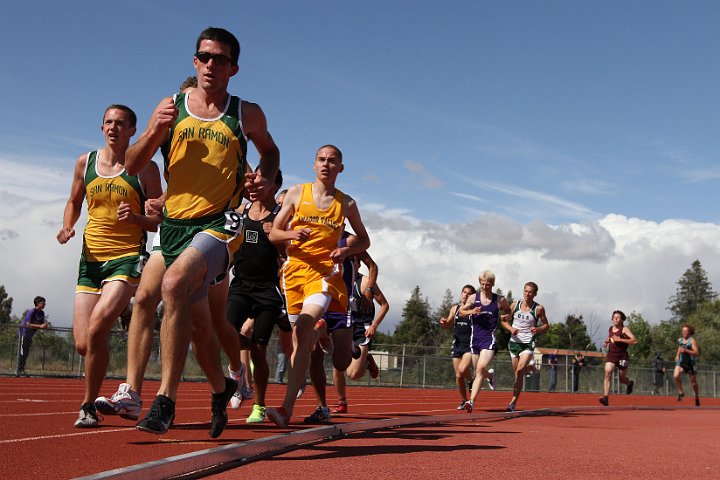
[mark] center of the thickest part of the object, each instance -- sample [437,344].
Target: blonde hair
[487,275]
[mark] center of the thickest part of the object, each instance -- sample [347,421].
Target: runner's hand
[125,213]
[65,234]
[257,186]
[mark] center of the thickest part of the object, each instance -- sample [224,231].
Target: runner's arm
[139,155]
[255,125]
[73,207]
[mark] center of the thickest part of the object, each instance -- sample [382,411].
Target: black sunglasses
[218,58]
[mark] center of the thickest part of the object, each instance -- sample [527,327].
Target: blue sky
[531,127]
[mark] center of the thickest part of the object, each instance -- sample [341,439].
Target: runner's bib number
[233,221]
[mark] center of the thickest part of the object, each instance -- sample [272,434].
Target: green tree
[641,329]
[577,334]
[445,306]
[572,335]
[416,327]
[693,290]
[664,339]
[444,334]
[554,337]
[5,306]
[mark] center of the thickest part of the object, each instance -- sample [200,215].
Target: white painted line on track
[93,431]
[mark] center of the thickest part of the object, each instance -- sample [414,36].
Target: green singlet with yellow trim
[205,162]
[105,237]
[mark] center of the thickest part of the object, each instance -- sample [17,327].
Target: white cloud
[590,269]
[35,264]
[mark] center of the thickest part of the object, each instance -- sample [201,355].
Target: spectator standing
[34,320]
[553,365]
[659,370]
[577,364]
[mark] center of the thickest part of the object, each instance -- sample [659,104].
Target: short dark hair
[621,313]
[532,285]
[131,115]
[190,82]
[333,147]
[223,36]
[472,289]
[38,300]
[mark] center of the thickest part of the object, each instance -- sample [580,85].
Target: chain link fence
[52,354]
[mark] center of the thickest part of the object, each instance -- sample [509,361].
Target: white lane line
[64,435]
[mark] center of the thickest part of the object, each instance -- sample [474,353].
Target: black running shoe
[697,401]
[630,387]
[159,417]
[88,416]
[604,401]
[219,407]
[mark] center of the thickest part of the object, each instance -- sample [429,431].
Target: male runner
[254,292]
[365,325]
[311,221]
[619,339]
[685,359]
[460,350]
[113,244]
[203,135]
[484,309]
[526,316]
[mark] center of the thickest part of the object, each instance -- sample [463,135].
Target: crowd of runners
[231,260]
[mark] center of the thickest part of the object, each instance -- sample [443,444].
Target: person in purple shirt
[34,320]
[485,310]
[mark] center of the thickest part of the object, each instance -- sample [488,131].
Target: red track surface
[38,438]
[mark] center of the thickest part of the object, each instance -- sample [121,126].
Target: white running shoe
[302,389]
[124,402]
[238,398]
[491,379]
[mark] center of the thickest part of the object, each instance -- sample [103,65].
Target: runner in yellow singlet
[203,135]
[113,244]
[311,223]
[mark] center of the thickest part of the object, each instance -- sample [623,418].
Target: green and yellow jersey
[105,237]
[205,161]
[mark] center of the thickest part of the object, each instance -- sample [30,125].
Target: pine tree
[416,328]
[5,306]
[693,290]
[444,334]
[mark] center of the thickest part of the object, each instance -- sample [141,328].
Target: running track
[556,436]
